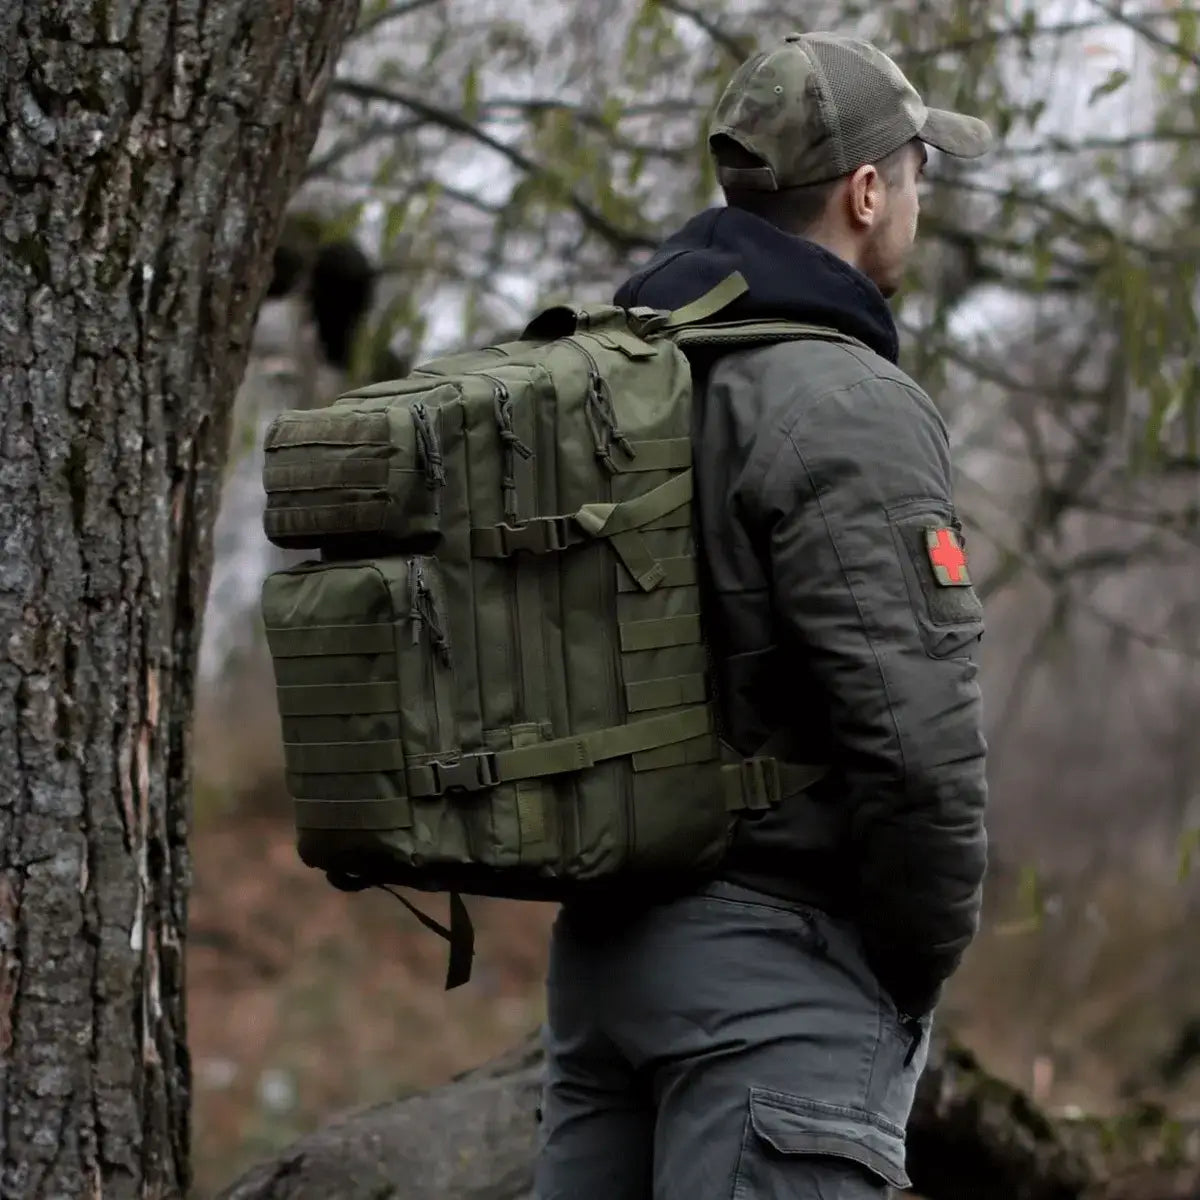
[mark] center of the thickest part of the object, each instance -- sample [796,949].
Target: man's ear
[864,197]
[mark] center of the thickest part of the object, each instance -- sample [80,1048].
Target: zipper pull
[504,411]
[598,421]
[433,619]
[610,416]
[427,445]
[415,580]
[916,1032]
[510,444]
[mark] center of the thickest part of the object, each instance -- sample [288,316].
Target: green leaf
[1117,79]
[343,224]
[372,10]
[1043,263]
[612,111]
[1189,844]
[1029,895]
[394,223]
[388,168]
[470,100]
[1187,25]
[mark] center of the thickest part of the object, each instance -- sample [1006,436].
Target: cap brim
[955,133]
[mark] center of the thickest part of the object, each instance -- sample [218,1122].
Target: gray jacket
[825,509]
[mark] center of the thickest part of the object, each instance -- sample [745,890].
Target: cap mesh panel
[871,117]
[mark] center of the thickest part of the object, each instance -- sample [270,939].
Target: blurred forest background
[490,157]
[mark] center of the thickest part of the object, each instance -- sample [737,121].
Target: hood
[788,277]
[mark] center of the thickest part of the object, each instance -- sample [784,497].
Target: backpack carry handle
[563,321]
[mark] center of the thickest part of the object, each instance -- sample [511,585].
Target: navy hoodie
[788,277]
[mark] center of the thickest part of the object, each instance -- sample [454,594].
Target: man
[762,1037]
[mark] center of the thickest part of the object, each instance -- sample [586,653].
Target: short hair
[798,209]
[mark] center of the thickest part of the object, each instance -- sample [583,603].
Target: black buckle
[761,786]
[541,535]
[470,773]
[644,321]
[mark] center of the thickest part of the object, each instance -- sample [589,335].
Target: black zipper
[511,445]
[601,416]
[696,336]
[501,395]
[428,449]
[424,617]
[608,584]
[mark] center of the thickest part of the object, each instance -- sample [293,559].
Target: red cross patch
[947,556]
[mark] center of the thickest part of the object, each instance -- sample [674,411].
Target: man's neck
[843,247]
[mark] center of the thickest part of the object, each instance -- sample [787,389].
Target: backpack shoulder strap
[731,288]
[692,324]
[765,332]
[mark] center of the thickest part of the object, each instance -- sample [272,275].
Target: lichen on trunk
[148,153]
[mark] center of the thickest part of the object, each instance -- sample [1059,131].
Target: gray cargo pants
[723,1046]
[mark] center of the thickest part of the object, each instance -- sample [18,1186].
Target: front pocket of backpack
[338,478]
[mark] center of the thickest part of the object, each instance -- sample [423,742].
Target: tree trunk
[971,1135]
[148,152]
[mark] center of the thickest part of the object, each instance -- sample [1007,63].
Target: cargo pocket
[790,1142]
[933,556]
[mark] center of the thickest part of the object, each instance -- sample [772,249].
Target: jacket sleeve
[855,515]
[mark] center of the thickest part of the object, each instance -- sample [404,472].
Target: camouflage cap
[817,106]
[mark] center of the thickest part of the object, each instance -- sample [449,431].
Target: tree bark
[971,1135]
[148,152]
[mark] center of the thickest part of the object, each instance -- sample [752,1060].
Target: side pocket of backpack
[363,667]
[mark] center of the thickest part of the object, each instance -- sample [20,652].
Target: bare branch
[622,240]
[1133,633]
[670,106]
[1079,269]
[1140,25]
[1017,32]
[1083,223]
[371,132]
[733,46]
[522,109]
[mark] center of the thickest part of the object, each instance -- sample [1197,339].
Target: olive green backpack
[493,680]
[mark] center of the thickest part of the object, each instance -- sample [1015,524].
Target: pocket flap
[791,1125]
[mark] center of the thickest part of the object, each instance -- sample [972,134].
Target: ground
[305,1001]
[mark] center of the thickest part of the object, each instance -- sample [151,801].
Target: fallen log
[971,1135]
[472,1139]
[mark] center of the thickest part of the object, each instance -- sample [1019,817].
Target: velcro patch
[947,556]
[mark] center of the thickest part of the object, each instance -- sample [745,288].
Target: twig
[318,167]
[1056,145]
[390,14]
